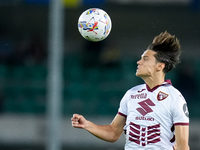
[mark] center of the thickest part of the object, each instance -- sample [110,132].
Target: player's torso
[149,119]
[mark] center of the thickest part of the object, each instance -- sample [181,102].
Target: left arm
[182,137]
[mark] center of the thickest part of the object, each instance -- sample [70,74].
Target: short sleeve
[180,111]
[123,105]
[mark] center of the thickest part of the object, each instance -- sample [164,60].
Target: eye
[145,58]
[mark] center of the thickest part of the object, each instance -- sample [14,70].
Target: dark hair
[167,48]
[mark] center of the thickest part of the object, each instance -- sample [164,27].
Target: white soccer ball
[94,24]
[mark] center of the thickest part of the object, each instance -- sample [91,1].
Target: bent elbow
[114,139]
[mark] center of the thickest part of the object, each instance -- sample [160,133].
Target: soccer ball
[94,24]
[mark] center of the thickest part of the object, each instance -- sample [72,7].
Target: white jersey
[151,115]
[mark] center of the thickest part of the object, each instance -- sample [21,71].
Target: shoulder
[138,88]
[135,89]
[174,93]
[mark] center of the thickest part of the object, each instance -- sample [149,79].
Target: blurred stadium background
[95,75]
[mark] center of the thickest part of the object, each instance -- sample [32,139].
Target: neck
[153,82]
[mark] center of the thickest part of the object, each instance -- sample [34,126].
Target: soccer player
[153,115]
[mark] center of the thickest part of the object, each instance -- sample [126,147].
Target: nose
[138,62]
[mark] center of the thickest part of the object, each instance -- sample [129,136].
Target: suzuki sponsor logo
[144,118]
[145,107]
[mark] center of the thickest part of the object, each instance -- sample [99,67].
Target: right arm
[110,133]
[182,137]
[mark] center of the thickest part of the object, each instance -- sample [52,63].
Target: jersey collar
[164,83]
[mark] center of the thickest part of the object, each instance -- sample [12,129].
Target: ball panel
[94,24]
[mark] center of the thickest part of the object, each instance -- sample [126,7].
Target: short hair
[168,50]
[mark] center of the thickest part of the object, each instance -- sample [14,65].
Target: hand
[78,121]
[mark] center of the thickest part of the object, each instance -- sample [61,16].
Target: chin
[137,74]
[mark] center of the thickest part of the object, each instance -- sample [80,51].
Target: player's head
[167,48]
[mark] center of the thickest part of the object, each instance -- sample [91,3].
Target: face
[147,65]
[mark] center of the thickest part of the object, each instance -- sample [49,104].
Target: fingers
[75,118]
[76,121]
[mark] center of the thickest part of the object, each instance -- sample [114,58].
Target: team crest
[161,96]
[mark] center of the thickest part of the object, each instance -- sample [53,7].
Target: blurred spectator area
[87,90]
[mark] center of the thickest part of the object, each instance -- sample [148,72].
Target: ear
[160,66]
